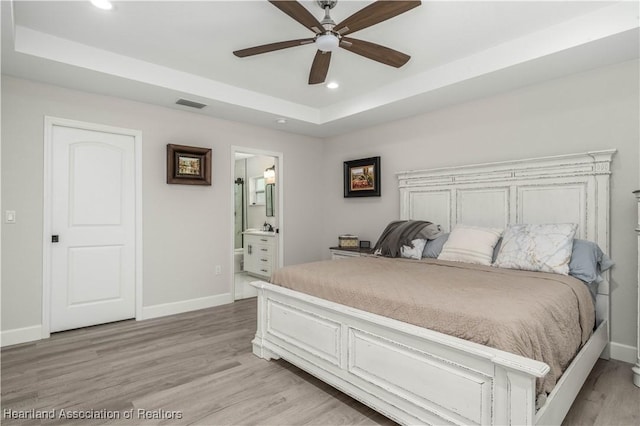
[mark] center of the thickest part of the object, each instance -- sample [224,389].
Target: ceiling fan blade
[271,47]
[320,67]
[373,14]
[300,14]
[375,51]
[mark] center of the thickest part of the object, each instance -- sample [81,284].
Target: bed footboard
[408,373]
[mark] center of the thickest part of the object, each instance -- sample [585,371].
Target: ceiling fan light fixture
[327,42]
[329,36]
[333,85]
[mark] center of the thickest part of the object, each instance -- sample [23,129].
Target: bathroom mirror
[256,191]
[269,199]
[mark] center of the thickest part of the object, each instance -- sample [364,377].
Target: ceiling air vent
[192,104]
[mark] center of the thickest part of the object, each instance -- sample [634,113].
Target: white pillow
[470,244]
[543,248]
[414,252]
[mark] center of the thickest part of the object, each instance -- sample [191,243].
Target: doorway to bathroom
[257,218]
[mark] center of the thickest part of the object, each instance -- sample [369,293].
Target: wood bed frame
[415,375]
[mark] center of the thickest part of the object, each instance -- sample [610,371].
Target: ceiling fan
[328,35]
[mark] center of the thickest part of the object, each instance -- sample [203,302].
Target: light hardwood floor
[200,364]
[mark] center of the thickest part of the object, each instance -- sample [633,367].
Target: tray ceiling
[159,51]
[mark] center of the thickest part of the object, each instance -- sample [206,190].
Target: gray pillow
[434,247]
[588,261]
[496,250]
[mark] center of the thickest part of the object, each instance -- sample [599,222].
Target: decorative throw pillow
[588,261]
[414,252]
[434,247]
[470,244]
[543,248]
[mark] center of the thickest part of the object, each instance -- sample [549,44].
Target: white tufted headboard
[570,188]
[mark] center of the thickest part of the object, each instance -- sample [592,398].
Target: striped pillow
[471,244]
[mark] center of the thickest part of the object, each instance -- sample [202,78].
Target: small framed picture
[188,165]
[362,178]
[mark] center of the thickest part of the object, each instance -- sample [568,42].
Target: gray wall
[174,270]
[594,110]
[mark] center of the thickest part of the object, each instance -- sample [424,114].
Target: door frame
[279,162]
[49,123]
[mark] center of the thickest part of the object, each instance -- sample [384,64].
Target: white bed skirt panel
[410,374]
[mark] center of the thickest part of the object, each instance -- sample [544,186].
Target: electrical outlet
[10,216]
[218,269]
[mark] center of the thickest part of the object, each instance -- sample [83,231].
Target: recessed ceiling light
[332,85]
[281,121]
[102,4]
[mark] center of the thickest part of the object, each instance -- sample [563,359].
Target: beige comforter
[543,316]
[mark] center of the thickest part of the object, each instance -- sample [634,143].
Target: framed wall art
[362,178]
[188,165]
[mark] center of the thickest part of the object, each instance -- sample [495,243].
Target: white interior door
[93,217]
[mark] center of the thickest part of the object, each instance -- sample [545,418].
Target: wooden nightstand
[343,253]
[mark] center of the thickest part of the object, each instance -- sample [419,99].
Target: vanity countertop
[261,233]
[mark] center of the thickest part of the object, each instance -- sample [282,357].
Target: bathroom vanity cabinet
[260,253]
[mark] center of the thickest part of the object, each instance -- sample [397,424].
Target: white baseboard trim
[164,309]
[624,353]
[16,336]
[20,335]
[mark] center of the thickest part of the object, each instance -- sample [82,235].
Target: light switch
[10,216]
